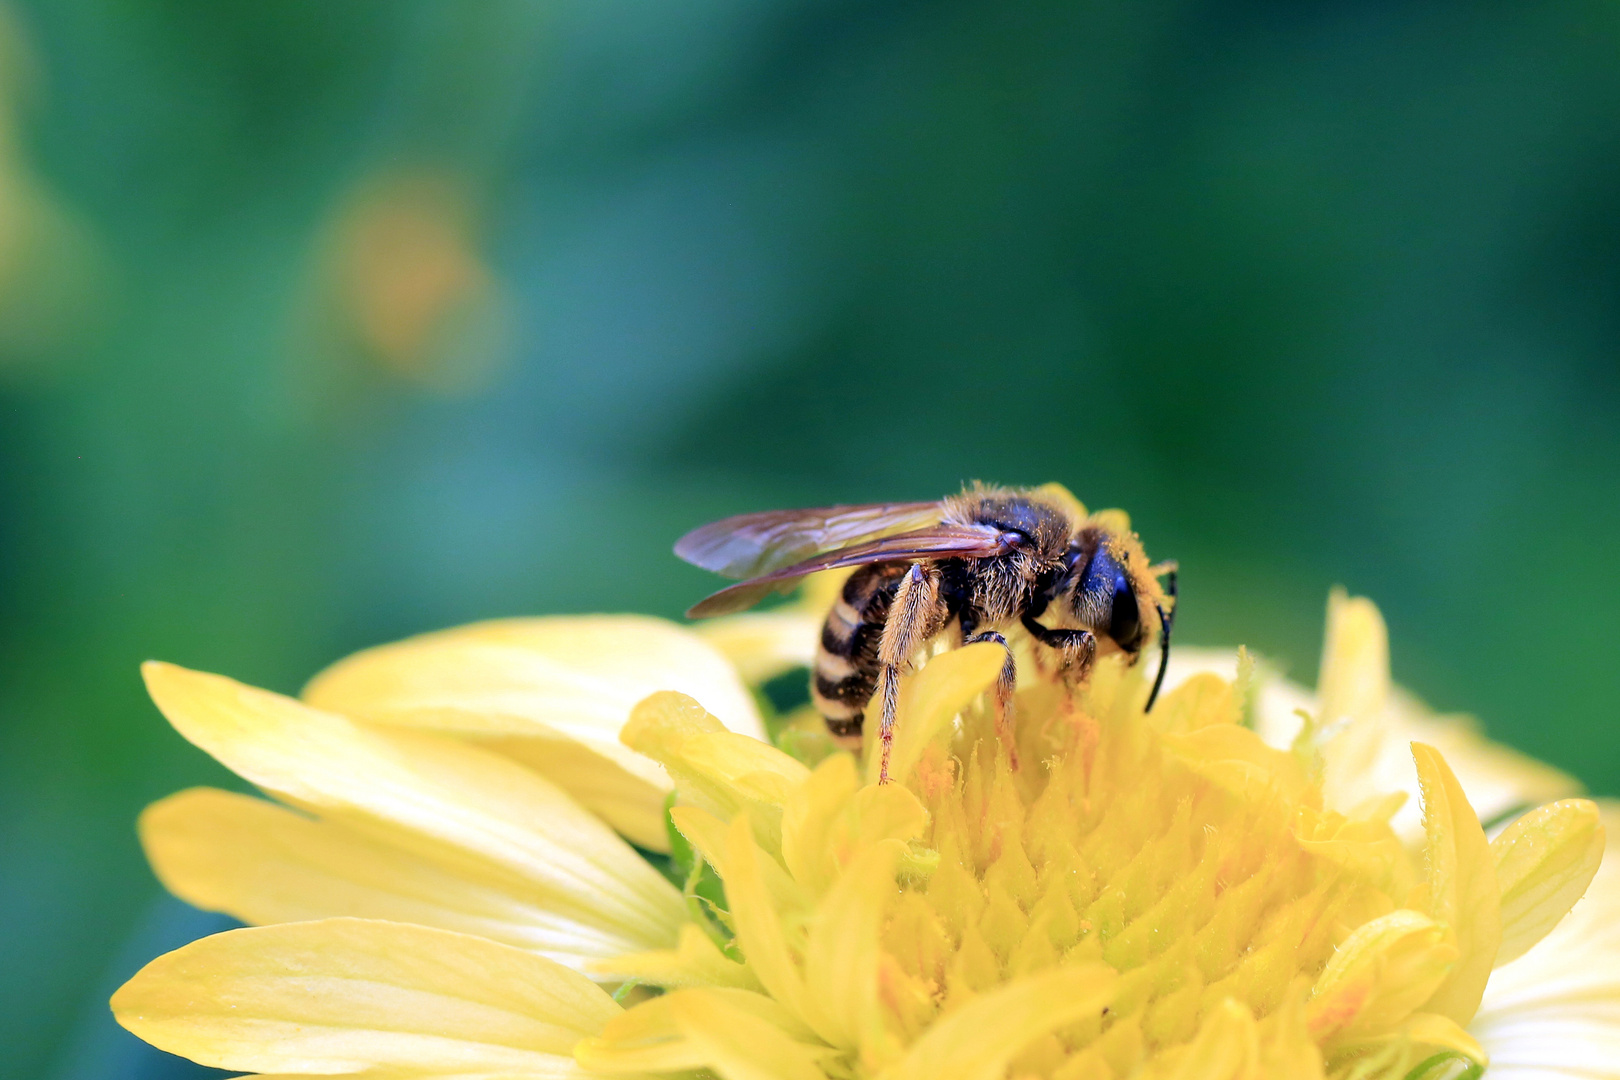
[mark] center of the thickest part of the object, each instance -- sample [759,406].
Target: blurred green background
[326,323]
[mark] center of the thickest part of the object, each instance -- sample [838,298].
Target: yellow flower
[1162,895]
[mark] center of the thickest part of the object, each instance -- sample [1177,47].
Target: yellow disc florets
[1172,853]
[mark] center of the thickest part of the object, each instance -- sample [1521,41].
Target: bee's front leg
[1006,683]
[1076,649]
[917,612]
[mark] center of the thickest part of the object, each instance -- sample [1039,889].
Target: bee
[971,567]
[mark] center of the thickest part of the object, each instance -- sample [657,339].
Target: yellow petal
[1354,680]
[1286,1046]
[1558,1006]
[715,769]
[1057,493]
[426,793]
[695,961]
[343,995]
[263,863]
[562,1070]
[622,797]
[760,932]
[889,812]
[1112,520]
[575,674]
[931,699]
[1462,885]
[764,644]
[1424,1046]
[710,836]
[1227,1046]
[1353,694]
[1441,1033]
[827,821]
[978,1040]
[703,831]
[1498,778]
[841,956]
[1374,752]
[740,1036]
[1239,761]
[1203,699]
[1379,975]
[809,816]
[1544,863]
[553,692]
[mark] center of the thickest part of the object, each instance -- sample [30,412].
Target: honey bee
[969,566]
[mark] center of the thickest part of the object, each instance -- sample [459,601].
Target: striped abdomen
[846,670]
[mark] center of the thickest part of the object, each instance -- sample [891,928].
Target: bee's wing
[935,542]
[749,545]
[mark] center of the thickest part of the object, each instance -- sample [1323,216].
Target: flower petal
[1379,976]
[764,644]
[1353,691]
[718,770]
[426,793]
[1582,1046]
[741,1036]
[1442,1033]
[695,961]
[828,819]
[1201,699]
[537,685]
[344,995]
[1286,1046]
[263,863]
[1499,780]
[1544,863]
[758,923]
[562,1070]
[623,797]
[579,675]
[1463,892]
[978,1040]
[1227,1046]
[931,699]
[1556,1010]
[809,816]
[1238,760]
[841,956]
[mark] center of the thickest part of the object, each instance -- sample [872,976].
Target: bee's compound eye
[1125,622]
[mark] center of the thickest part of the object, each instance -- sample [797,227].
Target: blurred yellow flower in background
[400,285]
[440,893]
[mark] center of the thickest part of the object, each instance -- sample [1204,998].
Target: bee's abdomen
[846,669]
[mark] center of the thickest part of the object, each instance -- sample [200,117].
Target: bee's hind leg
[917,612]
[1006,683]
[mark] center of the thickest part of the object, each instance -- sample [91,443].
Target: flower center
[1162,853]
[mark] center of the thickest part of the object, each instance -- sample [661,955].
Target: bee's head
[1103,598]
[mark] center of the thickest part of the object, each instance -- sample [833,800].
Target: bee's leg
[913,617]
[1075,648]
[1006,683]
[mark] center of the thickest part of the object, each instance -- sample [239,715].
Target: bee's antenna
[1166,620]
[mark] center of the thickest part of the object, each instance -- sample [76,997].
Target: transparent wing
[753,544]
[936,542]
